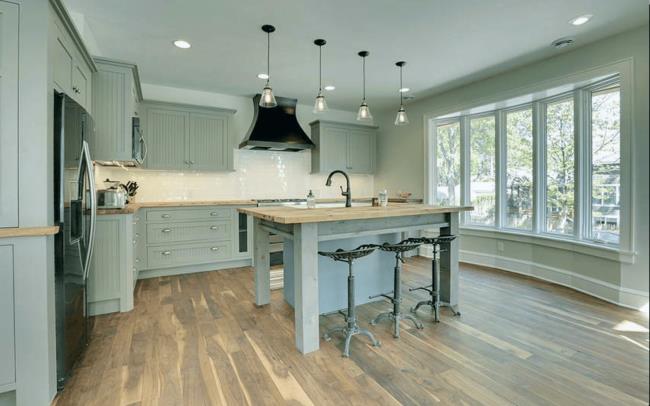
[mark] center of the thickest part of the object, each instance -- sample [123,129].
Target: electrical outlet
[500,246]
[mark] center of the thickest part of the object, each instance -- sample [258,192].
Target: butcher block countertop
[28,231]
[290,215]
[133,207]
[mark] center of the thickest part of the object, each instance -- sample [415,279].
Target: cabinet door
[112,126]
[8,115]
[7,345]
[166,134]
[333,149]
[360,151]
[80,86]
[207,142]
[62,66]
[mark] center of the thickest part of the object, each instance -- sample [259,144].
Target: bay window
[547,165]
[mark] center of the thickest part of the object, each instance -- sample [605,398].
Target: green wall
[401,162]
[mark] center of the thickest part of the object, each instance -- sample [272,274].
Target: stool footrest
[386,295]
[425,288]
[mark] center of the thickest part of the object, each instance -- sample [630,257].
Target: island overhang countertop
[291,215]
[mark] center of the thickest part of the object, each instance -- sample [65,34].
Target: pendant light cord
[268,57]
[401,100]
[320,69]
[364,78]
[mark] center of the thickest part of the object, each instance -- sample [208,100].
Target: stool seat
[351,328]
[434,288]
[395,296]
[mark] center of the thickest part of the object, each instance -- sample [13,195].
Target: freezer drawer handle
[166,253]
[166,230]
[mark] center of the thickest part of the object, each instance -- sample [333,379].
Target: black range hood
[276,128]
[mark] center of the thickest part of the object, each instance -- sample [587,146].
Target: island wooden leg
[306,308]
[449,278]
[262,271]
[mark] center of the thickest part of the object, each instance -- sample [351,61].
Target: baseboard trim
[609,292]
[155,273]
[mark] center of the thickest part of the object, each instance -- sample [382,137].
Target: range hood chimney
[276,128]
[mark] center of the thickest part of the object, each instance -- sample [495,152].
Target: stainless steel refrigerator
[75,213]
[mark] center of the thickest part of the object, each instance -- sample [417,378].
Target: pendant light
[320,105]
[268,100]
[364,110]
[401,118]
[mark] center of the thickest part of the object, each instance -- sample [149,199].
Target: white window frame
[620,73]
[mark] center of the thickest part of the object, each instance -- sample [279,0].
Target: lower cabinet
[7,344]
[160,242]
[110,280]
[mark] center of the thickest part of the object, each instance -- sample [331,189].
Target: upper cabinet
[116,99]
[187,137]
[348,147]
[8,115]
[71,65]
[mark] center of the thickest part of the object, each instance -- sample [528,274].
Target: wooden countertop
[133,207]
[28,231]
[290,215]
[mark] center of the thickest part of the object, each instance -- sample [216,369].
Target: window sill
[582,247]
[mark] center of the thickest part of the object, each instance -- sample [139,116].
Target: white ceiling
[444,42]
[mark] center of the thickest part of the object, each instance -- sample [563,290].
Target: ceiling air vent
[562,42]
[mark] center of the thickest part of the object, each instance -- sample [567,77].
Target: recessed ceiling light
[329,88]
[581,20]
[405,89]
[179,43]
[262,76]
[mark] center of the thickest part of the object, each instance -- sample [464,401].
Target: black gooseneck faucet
[347,193]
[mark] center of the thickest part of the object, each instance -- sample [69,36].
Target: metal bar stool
[396,299]
[434,288]
[351,327]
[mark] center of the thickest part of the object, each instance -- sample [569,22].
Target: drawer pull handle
[166,253]
[214,248]
[165,216]
[213,227]
[214,214]
[166,230]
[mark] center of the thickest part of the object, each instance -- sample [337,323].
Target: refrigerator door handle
[93,206]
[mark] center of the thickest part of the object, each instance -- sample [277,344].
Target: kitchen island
[309,230]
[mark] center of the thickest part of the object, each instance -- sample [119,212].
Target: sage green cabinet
[116,96]
[8,114]
[70,72]
[110,280]
[348,147]
[7,344]
[187,137]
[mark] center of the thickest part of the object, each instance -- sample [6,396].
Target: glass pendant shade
[320,106]
[364,113]
[401,118]
[267,100]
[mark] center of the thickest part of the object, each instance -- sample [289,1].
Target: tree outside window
[448,164]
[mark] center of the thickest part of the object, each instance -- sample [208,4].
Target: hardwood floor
[199,340]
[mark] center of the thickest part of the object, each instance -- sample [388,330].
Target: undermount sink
[336,204]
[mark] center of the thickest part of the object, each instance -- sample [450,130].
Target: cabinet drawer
[203,213]
[188,254]
[182,232]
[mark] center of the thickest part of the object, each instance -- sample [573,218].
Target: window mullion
[465,197]
[500,163]
[539,168]
[581,172]
[586,164]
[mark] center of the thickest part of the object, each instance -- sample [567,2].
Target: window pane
[560,169]
[482,170]
[448,164]
[519,169]
[606,165]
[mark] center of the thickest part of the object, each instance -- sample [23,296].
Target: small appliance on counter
[114,197]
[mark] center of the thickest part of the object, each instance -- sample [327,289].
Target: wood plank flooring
[199,339]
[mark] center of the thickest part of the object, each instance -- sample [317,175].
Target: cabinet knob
[134,242]
[166,230]
[214,249]
[165,216]
[166,253]
[137,260]
[191,162]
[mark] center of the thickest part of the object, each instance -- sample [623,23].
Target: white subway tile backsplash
[257,175]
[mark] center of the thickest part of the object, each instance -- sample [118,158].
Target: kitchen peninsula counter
[315,285]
